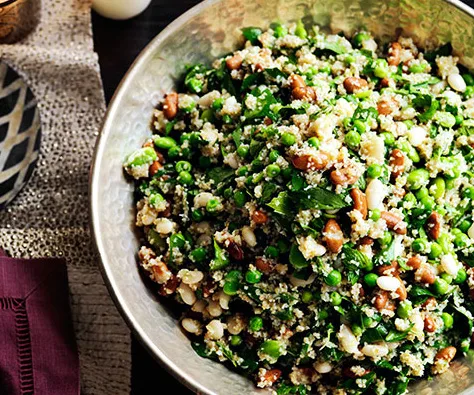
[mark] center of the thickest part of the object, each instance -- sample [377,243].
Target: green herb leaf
[417,291]
[202,350]
[354,259]
[396,336]
[221,260]
[220,174]
[296,258]
[252,34]
[237,137]
[282,204]
[319,198]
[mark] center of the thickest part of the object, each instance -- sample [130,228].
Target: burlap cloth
[50,215]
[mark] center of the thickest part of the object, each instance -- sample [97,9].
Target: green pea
[243,151]
[386,239]
[280,31]
[445,119]
[228,193]
[336,298]
[360,126]
[326,69]
[183,165]
[165,142]
[346,122]
[375,214]
[156,199]
[438,188]
[240,198]
[367,321]
[468,79]
[288,139]
[448,320]
[422,193]
[283,246]
[273,156]
[233,276]
[417,178]
[441,287]
[461,240]
[323,314]
[420,245]
[300,31]
[417,68]
[242,171]
[349,59]
[185,178]
[272,170]
[455,231]
[374,171]
[314,142]
[388,138]
[435,251]
[411,151]
[445,242]
[461,277]
[465,225]
[409,123]
[204,161]
[381,68]
[235,340]
[359,38]
[287,173]
[231,288]
[174,152]
[410,198]
[404,309]
[459,119]
[272,252]
[371,279]
[213,205]
[446,277]
[272,348]
[352,139]
[217,104]
[253,276]
[428,203]
[356,329]
[306,296]
[333,278]
[469,92]
[255,324]
[468,192]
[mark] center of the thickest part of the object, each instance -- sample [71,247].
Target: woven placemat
[50,215]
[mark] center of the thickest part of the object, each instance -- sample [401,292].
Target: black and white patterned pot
[20,133]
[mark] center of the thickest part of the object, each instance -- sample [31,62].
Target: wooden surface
[118,43]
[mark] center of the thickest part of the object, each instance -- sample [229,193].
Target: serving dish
[207,31]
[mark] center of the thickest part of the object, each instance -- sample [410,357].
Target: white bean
[164,226]
[470,232]
[235,325]
[388,283]
[187,294]
[374,148]
[214,309]
[191,326]
[310,248]
[456,82]
[202,198]
[347,339]
[298,282]
[190,276]
[322,367]
[249,236]
[199,306]
[204,240]
[450,265]
[215,329]
[224,300]
[203,227]
[417,135]
[375,194]
[375,350]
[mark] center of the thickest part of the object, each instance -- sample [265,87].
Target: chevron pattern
[20,134]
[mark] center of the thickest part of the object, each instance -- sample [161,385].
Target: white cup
[119,9]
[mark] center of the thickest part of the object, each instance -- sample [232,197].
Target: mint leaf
[319,198]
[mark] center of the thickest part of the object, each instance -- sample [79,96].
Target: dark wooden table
[118,43]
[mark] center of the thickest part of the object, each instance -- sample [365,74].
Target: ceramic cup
[119,9]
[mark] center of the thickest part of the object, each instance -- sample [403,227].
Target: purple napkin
[38,353]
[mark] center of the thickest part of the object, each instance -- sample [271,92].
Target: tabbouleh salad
[308,199]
